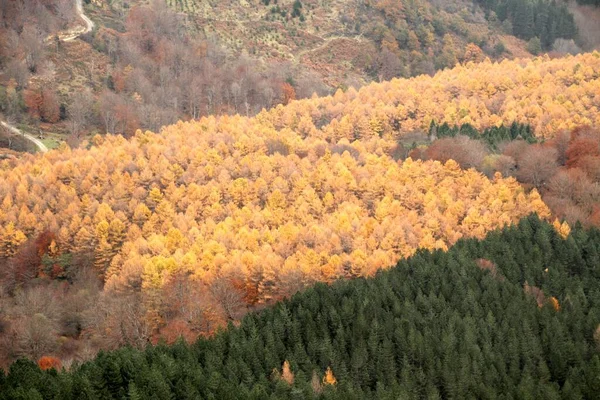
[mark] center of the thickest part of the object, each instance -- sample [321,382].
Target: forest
[516,314]
[550,95]
[232,184]
[152,74]
[234,213]
[122,242]
[542,21]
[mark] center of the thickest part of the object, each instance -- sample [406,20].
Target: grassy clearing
[51,143]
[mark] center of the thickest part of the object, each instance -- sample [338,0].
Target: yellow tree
[329,378]
[10,240]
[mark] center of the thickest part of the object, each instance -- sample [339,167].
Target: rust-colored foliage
[33,100]
[289,93]
[49,362]
[488,265]
[175,330]
[42,103]
[286,373]
[555,303]
[581,148]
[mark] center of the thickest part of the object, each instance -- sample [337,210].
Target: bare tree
[33,47]
[108,103]
[564,46]
[467,152]
[79,112]
[506,165]
[118,320]
[228,297]
[65,10]
[514,148]
[537,164]
[390,66]
[34,336]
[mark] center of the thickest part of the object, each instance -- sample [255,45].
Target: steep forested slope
[145,65]
[355,40]
[236,202]
[550,95]
[516,314]
[527,19]
[227,212]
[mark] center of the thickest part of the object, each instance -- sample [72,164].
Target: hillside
[145,65]
[360,40]
[550,95]
[350,42]
[236,212]
[207,198]
[516,314]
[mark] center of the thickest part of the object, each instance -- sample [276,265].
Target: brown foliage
[177,329]
[289,93]
[487,265]
[33,100]
[50,107]
[473,53]
[580,149]
[537,164]
[42,103]
[468,153]
[286,373]
[536,293]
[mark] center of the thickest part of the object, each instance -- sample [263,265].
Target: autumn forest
[213,215]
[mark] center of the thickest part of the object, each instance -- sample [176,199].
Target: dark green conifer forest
[547,20]
[492,137]
[513,316]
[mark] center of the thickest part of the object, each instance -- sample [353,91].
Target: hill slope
[360,40]
[228,212]
[516,314]
[550,95]
[145,65]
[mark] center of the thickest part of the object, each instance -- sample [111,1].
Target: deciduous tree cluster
[550,95]
[565,170]
[240,211]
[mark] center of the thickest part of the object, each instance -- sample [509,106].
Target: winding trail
[326,42]
[89,25]
[41,146]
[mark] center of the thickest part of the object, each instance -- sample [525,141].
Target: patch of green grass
[51,143]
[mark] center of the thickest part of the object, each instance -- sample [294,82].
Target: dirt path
[89,24]
[41,146]
[325,43]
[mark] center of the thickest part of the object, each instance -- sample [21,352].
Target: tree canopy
[515,314]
